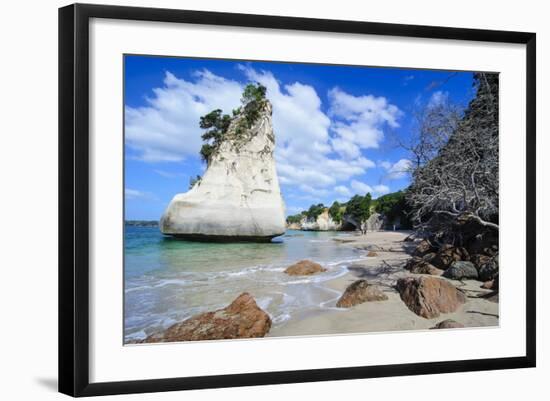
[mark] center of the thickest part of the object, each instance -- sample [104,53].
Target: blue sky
[336,127]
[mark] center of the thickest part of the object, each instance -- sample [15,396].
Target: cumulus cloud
[342,190]
[359,121]
[304,150]
[396,170]
[316,152]
[361,188]
[381,189]
[167,129]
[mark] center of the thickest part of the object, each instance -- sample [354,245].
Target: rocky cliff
[323,223]
[238,197]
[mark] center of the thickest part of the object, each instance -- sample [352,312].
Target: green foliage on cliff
[395,208]
[359,208]
[295,218]
[336,212]
[314,211]
[217,124]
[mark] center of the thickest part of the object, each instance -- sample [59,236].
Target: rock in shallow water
[238,197]
[241,319]
[429,296]
[304,268]
[358,292]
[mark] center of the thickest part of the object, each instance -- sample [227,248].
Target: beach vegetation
[336,212]
[455,186]
[359,210]
[314,211]
[296,218]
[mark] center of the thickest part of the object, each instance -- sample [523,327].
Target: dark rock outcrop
[489,269]
[429,296]
[426,268]
[448,254]
[423,248]
[448,324]
[304,268]
[461,270]
[358,292]
[241,319]
[418,265]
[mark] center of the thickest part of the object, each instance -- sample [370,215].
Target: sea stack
[238,198]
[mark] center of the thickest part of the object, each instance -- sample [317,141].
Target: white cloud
[360,121]
[167,128]
[130,194]
[381,189]
[397,170]
[168,174]
[304,146]
[360,187]
[314,153]
[342,190]
[438,98]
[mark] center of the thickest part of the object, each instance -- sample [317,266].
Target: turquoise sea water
[168,280]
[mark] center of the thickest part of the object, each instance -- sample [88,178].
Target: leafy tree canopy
[217,124]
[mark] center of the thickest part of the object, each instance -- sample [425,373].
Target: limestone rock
[448,324]
[461,270]
[238,197]
[375,222]
[304,268]
[323,223]
[241,319]
[429,296]
[358,292]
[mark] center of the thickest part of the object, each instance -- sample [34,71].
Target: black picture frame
[74,198]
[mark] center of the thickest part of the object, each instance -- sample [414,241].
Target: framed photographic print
[250,199]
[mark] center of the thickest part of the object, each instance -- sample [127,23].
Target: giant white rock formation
[238,198]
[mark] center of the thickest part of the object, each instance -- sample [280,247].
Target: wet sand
[391,315]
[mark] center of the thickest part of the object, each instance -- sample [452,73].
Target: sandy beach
[382,270]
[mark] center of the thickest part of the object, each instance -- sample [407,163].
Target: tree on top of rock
[217,124]
[359,209]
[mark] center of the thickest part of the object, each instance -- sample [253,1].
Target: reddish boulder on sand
[488,285]
[304,268]
[429,296]
[420,266]
[241,319]
[358,292]
[426,268]
[449,254]
[448,324]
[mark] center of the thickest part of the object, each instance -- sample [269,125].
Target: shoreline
[382,270]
